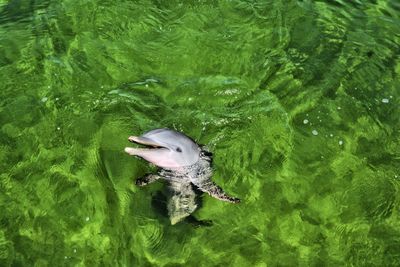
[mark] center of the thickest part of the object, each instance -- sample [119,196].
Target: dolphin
[183,164]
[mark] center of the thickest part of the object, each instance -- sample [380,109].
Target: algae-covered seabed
[298,100]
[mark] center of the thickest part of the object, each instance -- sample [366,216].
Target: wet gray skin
[182,164]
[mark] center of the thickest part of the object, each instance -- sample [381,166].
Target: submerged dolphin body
[183,164]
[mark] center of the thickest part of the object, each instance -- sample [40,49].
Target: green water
[298,100]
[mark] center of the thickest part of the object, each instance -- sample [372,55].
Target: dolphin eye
[178,149]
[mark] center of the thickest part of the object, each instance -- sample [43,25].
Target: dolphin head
[165,148]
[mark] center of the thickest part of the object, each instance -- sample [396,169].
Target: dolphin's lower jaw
[157,156]
[143,152]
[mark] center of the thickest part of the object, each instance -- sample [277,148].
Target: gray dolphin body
[183,164]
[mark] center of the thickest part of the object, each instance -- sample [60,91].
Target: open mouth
[148,143]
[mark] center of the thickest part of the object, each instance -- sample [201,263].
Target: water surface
[298,100]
